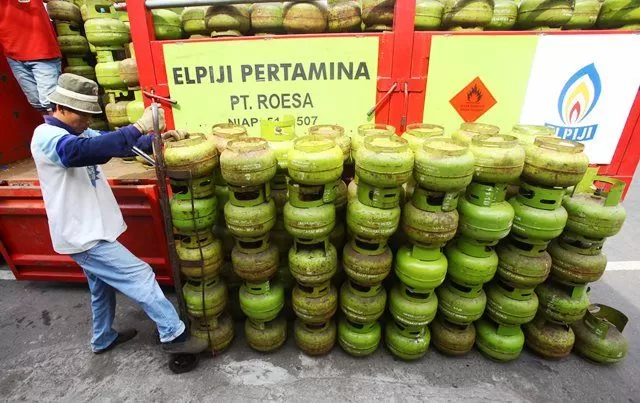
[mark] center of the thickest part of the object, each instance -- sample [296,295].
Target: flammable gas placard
[317,80]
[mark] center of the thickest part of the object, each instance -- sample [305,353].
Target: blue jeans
[109,266]
[38,79]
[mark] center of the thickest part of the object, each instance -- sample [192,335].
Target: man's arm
[97,148]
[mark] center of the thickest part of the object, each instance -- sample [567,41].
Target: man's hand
[174,135]
[145,123]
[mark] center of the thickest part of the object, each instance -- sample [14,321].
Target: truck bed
[117,171]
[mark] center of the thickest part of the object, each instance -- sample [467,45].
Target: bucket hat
[77,93]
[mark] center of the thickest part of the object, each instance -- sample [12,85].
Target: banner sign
[583,86]
[317,80]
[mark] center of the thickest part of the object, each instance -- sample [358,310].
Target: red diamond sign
[473,101]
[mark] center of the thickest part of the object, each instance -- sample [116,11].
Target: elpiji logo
[576,101]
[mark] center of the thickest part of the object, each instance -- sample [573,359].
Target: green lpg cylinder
[460,304]
[484,215]
[84,71]
[211,291]
[444,165]
[619,14]
[307,197]
[498,158]
[262,301]
[248,161]
[377,15]
[467,14]
[471,263]
[544,14]
[117,113]
[305,17]
[539,215]
[193,22]
[499,342]
[410,307]
[428,15]
[523,264]
[371,223]
[429,220]
[527,134]
[361,304]
[576,262]
[135,109]
[359,340]
[217,332]
[313,263]
[365,130]
[315,304]
[505,14]
[200,188]
[280,134]
[452,339]
[108,75]
[367,264]
[468,130]
[195,154]
[107,32]
[384,160]
[508,306]
[335,133]
[561,303]
[223,133]
[598,213]
[228,20]
[547,339]
[128,70]
[417,133]
[250,222]
[266,336]
[599,335]
[313,223]
[378,197]
[315,339]
[407,342]
[73,45]
[167,24]
[267,18]
[315,160]
[64,11]
[554,162]
[344,16]
[65,28]
[191,215]
[255,264]
[200,255]
[419,268]
[585,14]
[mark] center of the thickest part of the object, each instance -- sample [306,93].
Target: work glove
[174,135]
[145,123]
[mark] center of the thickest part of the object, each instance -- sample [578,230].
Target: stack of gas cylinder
[315,167]
[73,45]
[247,165]
[190,165]
[471,264]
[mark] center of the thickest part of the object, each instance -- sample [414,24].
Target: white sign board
[584,87]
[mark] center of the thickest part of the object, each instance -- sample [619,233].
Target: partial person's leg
[46,73]
[134,278]
[24,76]
[103,308]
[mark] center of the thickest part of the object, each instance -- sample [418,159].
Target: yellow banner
[317,80]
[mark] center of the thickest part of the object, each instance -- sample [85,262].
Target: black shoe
[185,344]
[123,337]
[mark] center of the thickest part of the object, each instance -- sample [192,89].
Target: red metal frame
[26,245]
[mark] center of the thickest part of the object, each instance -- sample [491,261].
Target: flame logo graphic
[579,95]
